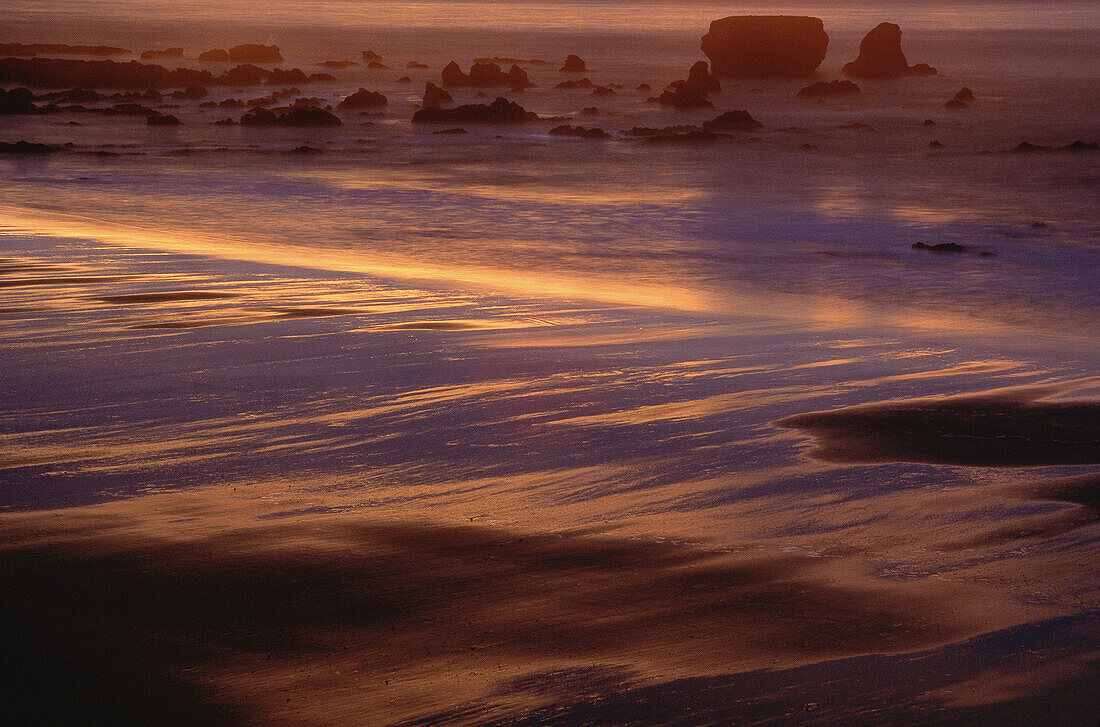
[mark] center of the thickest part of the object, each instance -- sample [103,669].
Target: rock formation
[680,95]
[484,75]
[501,111]
[735,120]
[217,55]
[880,56]
[17,101]
[369,55]
[363,99]
[574,84]
[416,64]
[701,80]
[27,50]
[253,53]
[68,73]
[765,45]
[299,116]
[162,120]
[573,64]
[829,88]
[435,96]
[337,65]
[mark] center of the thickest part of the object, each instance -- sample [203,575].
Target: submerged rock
[580,131]
[363,99]
[880,56]
[765,45]
[829,88]
[736,120]
[162,120]
[943,247]
[501,111]
[573,64]
[415,65]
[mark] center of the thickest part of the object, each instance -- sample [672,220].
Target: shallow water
[384,347]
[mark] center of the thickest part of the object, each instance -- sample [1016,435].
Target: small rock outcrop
[162,120]
[18,101]
[880,56]
[829,88]
[416,65]
[574,84]
[28,148]
[701,80]
[573,64]
[765,45]
[580,132]
[736,120]
[484,75]
[216,55]
[369,55]
[679,95]
[363,99]
[254,53]
[298,116]
[435,96]
[965,95]
[501,111]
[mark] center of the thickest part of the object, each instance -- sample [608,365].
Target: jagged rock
[377,66]
[681,96]
[954,103]
[501,111]
[217,55]
[191,93]
[485,75]
[162,120]
[573,64]
[829,88]
[574,84]
[454,77]
[765,45]
[965,95]
[254,53]
[363,99]
[435,96]
[156,55]
[17,101]
[880,56]
[369,55]
[580,131]
[299,116]
[735,120]
[701,80]
[225,122]
[602,91]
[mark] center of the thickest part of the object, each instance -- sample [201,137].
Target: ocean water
[553,335]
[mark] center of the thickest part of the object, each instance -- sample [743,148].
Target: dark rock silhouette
[687,137]
[450,131]
[225,122]
[955,103]
[17,101]
[573,64]
[644,87]
[369,55]
[765,45]
[27,148]
[929,122]
[217,55]
[829,88]
[337,65]
[298,116]
[162,120]
[363,99]
[415,64]
[1025,147]
[880,56]
[484,75]
[645,131]
[943,247]
[602,91]
[27,50]
[253,53]
[133,109]
[68,73]
[574,84]
[404,79]
[936,144]
[580,131]
[590,111]
[701,80]
[680,95]
[191,93]
[501,111]
[509,60]
[155,55]
[965,95]
[735,120]
[377,66]
[436,96]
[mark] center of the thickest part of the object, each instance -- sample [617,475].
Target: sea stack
[765,45]
[880,56]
